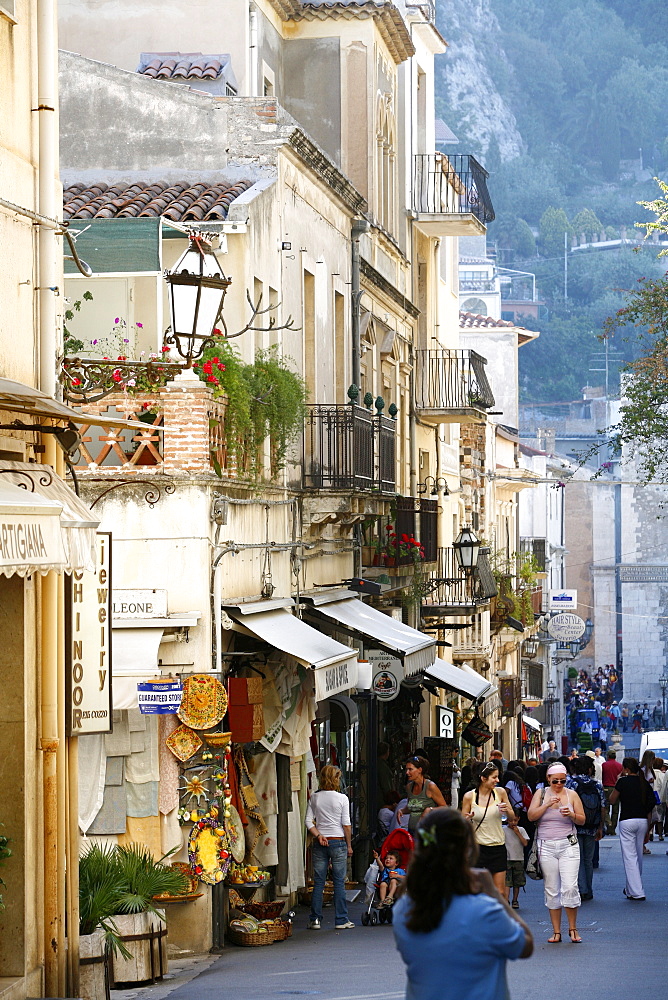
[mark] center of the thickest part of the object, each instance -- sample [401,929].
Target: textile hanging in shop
[92,768]
[143,764]
[168,793]
[266,788]
[294,878]
[117,743]
[112,817]
[142,800]
[284,789]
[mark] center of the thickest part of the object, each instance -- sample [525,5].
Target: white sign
[445,722]
[30,541]
[89,646]
[563,600]
[388,673]
[566,627]
[335,679]
[139,604]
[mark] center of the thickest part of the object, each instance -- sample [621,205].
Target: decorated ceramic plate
[234,829]
[204,702]
[208,851]
[183,743]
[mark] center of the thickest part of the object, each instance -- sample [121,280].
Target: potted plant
[118,917]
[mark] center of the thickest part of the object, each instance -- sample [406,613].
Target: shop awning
[24,399]
[135,646]
[455,679]
[335,665]
[415,649]
[531,723]
[31,540]
[77,523]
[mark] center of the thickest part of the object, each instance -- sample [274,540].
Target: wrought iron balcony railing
[88,380]
[451,185]
[452,380]
[450,591]
[346,447]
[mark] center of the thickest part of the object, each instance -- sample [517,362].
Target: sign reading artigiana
[89,646]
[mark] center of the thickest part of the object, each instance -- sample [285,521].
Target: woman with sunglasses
[555,810]
[422,793]
[486,807]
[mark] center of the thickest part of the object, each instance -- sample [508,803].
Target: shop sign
[445,722]
[159,697]
[563,600]
[334,679]
[30,541]
[388,673]
[89,646]
[509,694]
[566,627]
[139,604]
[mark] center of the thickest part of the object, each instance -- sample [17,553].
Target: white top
[514,847]
[328,812]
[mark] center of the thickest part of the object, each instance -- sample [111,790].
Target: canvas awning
[416,650]
[335,665]
[31,540]
[531,723]
[78,525]
[455,679]
[16,396]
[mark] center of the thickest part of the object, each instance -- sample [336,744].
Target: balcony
[451,386]
[450,196]
[451,592]
[474,642]
[347,448]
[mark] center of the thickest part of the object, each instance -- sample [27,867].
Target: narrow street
[619,951]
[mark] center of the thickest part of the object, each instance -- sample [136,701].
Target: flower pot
[390,561]
[91,966]
[145,937]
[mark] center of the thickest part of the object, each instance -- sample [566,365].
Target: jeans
[336,852]
[625,724]
[586,869]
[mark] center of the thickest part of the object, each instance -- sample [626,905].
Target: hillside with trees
[565,104]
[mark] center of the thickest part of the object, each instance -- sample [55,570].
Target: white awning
[31,540]
[458,680]
[77,522]
[531,723]
[16,396]
[334,663]
[415,649]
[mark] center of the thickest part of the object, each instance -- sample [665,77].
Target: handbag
[533,868]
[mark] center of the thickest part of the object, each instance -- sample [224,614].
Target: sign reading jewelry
[89,646]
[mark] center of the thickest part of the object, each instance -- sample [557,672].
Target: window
[7,8]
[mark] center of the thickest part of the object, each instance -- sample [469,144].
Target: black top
[635,797]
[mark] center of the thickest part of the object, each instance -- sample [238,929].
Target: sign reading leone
[139,604]
[89,646]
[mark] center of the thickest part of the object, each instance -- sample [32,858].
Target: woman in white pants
[556,809]
[636,799]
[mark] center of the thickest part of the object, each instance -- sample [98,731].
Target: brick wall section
[186,403]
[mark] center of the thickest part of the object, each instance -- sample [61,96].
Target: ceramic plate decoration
[208,851]
[183,743]
[204,702]
[234,829]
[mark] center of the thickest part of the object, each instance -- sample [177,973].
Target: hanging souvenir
[204,702]
[183,743]
[235,833]
[208,850]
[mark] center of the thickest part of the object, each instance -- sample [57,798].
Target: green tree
[586,222]
[514,237]
[553,224]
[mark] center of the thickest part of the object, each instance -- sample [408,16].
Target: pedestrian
[455,781]
[328,821]
[517,840]
[657,716]
[466,778]
[392,877]
[550,752]
[625,717]
[450,908]
[598,759]
[485,807]
[659,812]
[556,811]
[647,769]
[593,802]
[603,734]
[611,771]
[496,757]
[646,715]
[637,720]
[636,804]
[615,716]
[422,793]
[386,813]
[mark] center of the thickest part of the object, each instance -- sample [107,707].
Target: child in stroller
[388,871]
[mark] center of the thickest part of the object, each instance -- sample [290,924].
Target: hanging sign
[159,697]
[445,722]
[563,600]
[88,645]
[334,679]
[566,627]
[387,674]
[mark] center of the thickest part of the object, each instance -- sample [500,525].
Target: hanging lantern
[467,547]
[197,286]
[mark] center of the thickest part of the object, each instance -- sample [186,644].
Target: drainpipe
[252,85]
[359,226]
[47,270]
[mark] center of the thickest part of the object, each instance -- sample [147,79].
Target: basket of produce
[284,930]
[248,932]
[265,911]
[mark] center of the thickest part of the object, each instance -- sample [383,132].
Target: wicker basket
[264,911]
[246,940]
[284,930]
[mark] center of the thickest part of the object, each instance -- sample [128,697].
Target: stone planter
[145,937]
[92,984]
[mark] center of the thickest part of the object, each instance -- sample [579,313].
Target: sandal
[515,904]
[574,936]
[646,850]
[555,939]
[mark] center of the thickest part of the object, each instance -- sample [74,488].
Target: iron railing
[448,586]
[451,185]
[346,447]
[535,547]
[452,380]
[477,285]
[429,529]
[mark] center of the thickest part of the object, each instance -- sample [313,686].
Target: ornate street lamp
[574,647]
[197,286]
[530,647]
[467,547]
[663,684]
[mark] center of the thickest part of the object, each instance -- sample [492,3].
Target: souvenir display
[183,743]
[204,702]
[208,851]
[235,833]
[218,739]
[195,787]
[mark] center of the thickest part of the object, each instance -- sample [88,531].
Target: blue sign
[159,698]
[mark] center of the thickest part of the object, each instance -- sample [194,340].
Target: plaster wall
[500,349]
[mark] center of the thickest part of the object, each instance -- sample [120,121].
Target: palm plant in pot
[118,917]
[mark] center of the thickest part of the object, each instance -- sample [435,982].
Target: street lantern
[197,286]
[530,647]
[467,547]
[663,684]
[589,628]
[574,647]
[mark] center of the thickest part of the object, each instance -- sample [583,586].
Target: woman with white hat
[555,810]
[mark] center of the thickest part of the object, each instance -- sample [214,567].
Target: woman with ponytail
[452,908]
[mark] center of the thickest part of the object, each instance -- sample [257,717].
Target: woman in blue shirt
[454,910]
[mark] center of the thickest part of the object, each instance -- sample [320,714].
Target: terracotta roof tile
[183,66]
[181,202]
[469,320]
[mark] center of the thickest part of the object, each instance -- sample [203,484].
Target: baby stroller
[398,842]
